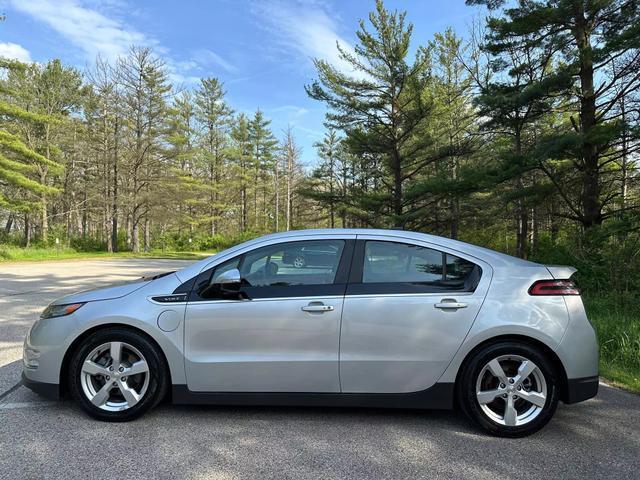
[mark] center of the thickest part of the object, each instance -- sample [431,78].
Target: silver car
[378,318]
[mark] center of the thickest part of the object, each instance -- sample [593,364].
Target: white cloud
[86,28]
[93,27]
[293,111]
[14,52]
[205,57]
[304,27]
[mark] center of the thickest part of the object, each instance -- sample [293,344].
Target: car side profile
[378,318]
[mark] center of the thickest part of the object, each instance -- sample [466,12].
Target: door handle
[317,307]
[450,304]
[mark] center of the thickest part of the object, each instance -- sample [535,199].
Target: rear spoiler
[561,272]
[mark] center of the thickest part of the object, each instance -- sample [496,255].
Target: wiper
[155,277]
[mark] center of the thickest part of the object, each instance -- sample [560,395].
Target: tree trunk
[9,224]
[27,230]
[44,220]
[289,185]
[147,234]
[276,185]
[591,206]
[114,206]
[135,235]
[534,232]
[396,167]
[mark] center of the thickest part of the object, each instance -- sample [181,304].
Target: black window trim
[337,288]
[357,287]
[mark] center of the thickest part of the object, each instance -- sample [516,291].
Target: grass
[617,322]
[17,254]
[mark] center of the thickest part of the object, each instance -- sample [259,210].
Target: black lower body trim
[439,396]
[580,389]
[48,390]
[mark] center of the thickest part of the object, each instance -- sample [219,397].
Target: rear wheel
[117,374]
[509,389]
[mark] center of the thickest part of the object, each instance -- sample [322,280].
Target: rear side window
[401,263]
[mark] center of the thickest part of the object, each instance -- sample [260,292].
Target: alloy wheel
[511,390]
[114,376]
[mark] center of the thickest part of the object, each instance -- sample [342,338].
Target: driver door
[280,330]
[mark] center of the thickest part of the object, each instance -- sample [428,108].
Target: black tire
[466,388]
[158,373]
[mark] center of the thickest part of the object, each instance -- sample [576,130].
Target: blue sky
[260,49]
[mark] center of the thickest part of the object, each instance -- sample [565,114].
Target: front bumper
[581,389]
[48,390]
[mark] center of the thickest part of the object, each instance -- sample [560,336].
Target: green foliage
[558,53]
[20,164]
[382,109]
[618,327]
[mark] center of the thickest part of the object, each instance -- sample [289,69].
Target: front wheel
[509,389]
[117,374]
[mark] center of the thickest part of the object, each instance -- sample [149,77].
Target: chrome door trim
[275,299]
[448,293]
[274,241]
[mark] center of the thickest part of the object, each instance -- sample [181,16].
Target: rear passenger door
[407,310]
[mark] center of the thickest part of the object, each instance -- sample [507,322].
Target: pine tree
[145,87]
[381,107]
[21,165]
[188,189]
[454,117]
[214,115]
[583,41]
[291,171]
[330,152]
[241,155]
[264,146]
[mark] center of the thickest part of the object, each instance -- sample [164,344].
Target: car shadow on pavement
[598,438]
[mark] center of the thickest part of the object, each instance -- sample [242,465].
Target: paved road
[39,439]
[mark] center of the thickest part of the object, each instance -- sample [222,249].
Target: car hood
[104,293]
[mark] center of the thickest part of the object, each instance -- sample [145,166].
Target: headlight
[60,310]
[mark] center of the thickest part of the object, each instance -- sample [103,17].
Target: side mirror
[225,285]
[228,278]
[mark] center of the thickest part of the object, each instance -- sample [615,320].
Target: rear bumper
[48,390]
[580,389]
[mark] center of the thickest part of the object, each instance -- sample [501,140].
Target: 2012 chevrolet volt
[371,318]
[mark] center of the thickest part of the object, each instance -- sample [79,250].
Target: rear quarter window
[401,263]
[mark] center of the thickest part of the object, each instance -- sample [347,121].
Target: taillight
[554,287]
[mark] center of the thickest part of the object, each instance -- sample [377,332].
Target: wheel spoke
[487,396]
[115,350]
[496,370]
[102,395]
[526,368]
[139,367]
[121,360]
[129,394]
[510,413]
[536,398]
[92,368]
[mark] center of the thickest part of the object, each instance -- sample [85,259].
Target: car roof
[495,259]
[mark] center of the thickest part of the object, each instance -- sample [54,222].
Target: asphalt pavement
[40,439]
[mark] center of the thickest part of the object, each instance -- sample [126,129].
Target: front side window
[313,262]
[401,263]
